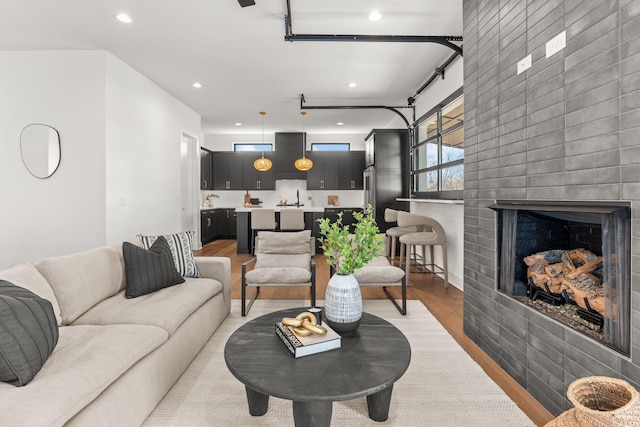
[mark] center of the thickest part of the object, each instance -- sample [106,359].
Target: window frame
[329,144]
[247,144]
[437,138]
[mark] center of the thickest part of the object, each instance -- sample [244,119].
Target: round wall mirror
[40,149]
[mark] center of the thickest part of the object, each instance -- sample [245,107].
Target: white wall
[120,135]
[450,216]
[65,213]
[144,129]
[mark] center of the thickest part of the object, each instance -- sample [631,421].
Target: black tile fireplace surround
[571,261]
[541,353]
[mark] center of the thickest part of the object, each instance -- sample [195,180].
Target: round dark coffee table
[368,364]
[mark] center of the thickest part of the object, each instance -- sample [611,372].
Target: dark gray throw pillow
[149,270]
[28,333]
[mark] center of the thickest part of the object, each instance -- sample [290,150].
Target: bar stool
[291,219]
[261,220]
[430,233]
[391,215]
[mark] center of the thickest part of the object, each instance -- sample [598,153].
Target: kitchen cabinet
[206,169]
[350,167]
[289,147]
[207,226]
[324,173]
[227,170]
[253,179]
[225,223]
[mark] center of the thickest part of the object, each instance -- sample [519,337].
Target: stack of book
[304,346]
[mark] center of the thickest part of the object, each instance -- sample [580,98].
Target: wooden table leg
[312,414]
[378,404]
[258,402]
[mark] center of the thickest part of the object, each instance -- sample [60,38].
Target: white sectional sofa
[115,357]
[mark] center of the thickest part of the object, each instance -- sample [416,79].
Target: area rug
[442,387]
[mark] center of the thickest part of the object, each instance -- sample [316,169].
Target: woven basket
[600,402]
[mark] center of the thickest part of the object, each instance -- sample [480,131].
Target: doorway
[189,186]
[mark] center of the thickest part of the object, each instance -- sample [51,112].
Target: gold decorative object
[304,324]
[262,164]
[303,164]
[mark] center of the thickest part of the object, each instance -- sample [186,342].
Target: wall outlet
[556,44]
[524,64]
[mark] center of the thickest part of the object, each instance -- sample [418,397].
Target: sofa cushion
[149,270]
[288,275]
[181,249]
[28,333]
[83,279]
[85,362]
[166,308]
[26,276]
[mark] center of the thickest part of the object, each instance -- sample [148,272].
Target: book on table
[312,344]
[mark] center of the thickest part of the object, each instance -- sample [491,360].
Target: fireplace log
[554,270]
[585,268]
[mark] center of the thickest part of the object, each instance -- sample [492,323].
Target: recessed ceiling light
[340,124]
[375,16]
[123,17]
[238,124]
[352,84]
[197,85]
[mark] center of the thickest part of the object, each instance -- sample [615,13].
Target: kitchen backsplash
[284,188]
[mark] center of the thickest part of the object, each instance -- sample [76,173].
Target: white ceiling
[241,58]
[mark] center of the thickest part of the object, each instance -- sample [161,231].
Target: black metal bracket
[291,37]
[361,107]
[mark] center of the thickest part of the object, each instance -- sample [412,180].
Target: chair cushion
[379,274]
[422,238]
[399,231]
[28,333]
[284,242]
[289,275]
[283,261]
[149,270]
[181,250]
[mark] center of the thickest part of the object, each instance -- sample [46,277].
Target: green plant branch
[348,252]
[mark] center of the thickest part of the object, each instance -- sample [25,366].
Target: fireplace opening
[569,261]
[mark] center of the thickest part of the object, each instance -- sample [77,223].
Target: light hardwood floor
[445,304]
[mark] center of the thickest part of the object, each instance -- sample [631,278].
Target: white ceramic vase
[343,304]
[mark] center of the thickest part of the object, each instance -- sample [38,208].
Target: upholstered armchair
[281,259]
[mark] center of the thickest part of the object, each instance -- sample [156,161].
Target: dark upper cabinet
[350,168]
[335,170]
[388,149]
[206,168]
[253,179]
[227,170]
[324,173]
[289,147]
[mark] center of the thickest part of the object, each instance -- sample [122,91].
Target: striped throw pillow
[181,250]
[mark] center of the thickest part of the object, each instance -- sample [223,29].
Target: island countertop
[304,208]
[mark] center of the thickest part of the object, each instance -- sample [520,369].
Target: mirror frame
[28,163]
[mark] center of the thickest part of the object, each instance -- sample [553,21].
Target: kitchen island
[311,216]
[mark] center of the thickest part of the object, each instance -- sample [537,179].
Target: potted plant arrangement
[345,252]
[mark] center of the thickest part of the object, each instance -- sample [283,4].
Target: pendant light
[303,164]
[262,164]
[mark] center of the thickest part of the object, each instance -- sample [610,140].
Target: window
[330,146]
[252,146]
[438,150]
